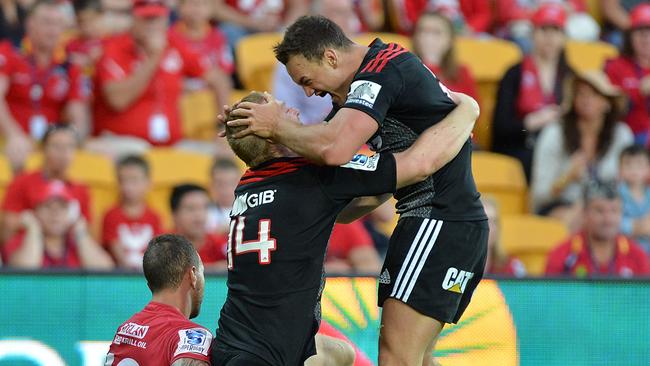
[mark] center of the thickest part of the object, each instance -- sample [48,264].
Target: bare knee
[333,352]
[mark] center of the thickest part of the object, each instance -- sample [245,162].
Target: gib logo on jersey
[246,201]
[363,92]
[456,280]
[363,162]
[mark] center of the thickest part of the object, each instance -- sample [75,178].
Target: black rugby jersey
[405,98]
[281,221]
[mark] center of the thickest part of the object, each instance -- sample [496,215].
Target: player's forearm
[30,254]
[360,207]
[314,142]
[438,145]
[121,94]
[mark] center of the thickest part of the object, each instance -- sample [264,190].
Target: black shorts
[434,266]
[221,355]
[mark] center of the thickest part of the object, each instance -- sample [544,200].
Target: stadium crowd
[111,78]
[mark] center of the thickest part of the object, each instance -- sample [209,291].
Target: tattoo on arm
[189,362]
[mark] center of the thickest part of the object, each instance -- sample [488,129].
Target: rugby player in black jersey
[281,220]
[385,96]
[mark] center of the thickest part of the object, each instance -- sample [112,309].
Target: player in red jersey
[161,333]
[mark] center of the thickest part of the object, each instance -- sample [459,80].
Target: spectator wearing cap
[38,86]
[239,18]
[51,238]
[193,28]
[59,145]
[631,72]
[584,146]
[599,249]
[617,18]
[531,91]
[189,205]
[138,83]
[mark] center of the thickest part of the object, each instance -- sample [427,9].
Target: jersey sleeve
[374,92]
[362,176]
[190,341]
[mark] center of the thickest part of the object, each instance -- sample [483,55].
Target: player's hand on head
[260,119]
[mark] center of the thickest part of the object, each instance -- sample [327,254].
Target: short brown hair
[251,147]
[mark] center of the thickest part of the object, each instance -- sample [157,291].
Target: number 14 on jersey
[263,245]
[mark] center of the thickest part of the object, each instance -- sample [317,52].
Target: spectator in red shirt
[351,250]
[224,177]
[433,42]
[161,333]
[599,249]
[38,86]
[239,18]
[59,144]
[138,83]
[128,227]
[85,49]
[531,91]
[498,262]
[51,238]
[631,73]
[189,205]
[203,38]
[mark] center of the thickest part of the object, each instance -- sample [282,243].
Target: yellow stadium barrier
[367,38]
[199,114]
[503,178]
[5,175]
[256,61]
[530,238]
[589,56]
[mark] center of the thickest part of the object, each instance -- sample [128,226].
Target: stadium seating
[530,238]
[198,114]
[94,170]
[588,56]
[367,38]
[170,167]
[503,178]
[488,60]
[5,175]
[256,61]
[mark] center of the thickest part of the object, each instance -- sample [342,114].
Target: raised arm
[439,144]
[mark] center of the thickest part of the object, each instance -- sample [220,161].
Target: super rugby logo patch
[196,340]
[363,162]
[363,92]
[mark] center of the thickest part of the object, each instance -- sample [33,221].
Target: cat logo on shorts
[456,280]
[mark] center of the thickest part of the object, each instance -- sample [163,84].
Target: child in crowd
[129,226]
[85,49]
[634,175]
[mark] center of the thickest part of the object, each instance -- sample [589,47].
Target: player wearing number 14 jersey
[281,220]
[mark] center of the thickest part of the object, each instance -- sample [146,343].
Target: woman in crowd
[583,147]
[631,72]
[530,92]
[433,42]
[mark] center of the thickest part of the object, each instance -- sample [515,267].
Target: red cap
[640,16]
[553,15]
[150,8]
[54,190]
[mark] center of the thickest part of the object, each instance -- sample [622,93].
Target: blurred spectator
[314,110]
[51,239]
[59,144]
[38,86]
[369,12]
[351,250]
[116,16]
[85,49]
[224,177]
[635,194]
[530,92]
[497,261]
[599,248]
[433,42]
[617,18]
[128,227]
[194,29]
[189,205]
[631,72]
[585,146]
[138,83]
[474,16]
[380,223]
[239,18]
[12,21]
